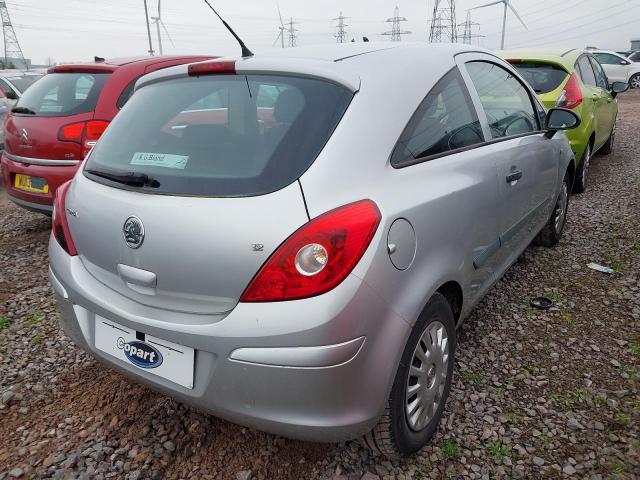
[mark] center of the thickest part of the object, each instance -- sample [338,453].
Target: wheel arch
[453,293]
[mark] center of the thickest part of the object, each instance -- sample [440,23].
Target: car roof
[561,56]
[348,64]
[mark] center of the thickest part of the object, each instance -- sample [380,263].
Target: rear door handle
[513,177]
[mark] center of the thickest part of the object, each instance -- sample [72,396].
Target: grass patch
[37,339]
[471,377]
[450,450]
[568,319]
[571,398]
[498,449]
[621,418]
[4,323]
[599,400]
[634,349]
[512,417]
[498,391]
[33,320]
[556,297]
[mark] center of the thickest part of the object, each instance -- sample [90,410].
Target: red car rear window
[62,94]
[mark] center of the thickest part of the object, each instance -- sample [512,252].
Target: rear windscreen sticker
[167,160]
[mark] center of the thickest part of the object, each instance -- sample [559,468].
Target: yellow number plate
[31,184]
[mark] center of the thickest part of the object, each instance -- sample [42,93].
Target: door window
[609,59]
[601,77]
[583,66]
[445,121]
[505,101]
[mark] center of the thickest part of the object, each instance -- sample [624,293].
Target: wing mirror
[561,119]
[619,87]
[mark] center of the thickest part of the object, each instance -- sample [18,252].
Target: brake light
[572,93]
[212,68]
[84,133]
[72,132]
[60,226]
[95,129]
[318,256]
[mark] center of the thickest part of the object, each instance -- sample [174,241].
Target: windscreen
[24,82]
[222,135]
[63,94]
[543,77]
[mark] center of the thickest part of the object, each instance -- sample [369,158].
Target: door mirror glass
[11,95]
[562,119]
[619,87]
[624,62]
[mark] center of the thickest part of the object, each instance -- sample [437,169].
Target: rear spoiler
[101,68]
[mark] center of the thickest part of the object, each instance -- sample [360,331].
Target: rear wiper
[25,110]
[127,178]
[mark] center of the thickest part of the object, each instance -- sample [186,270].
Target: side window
[267,96]
[586,72]
[608,59]
[505,101]
[126,94]
[6,88]
[601,77]
[445,121]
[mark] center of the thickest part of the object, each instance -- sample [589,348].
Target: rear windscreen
[543,77]
[63,94]
[223,135]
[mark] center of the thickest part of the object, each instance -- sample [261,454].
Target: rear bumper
[318,369]
[54,174]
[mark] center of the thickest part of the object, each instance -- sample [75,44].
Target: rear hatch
[546,78]
[48,122]
[208,168]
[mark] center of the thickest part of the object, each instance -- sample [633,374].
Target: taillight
[84,133]
[95,129]
[60,226]
[318,256]
[72,133]
[212,68]
[572,93]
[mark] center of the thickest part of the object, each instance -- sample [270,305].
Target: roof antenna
[245,51]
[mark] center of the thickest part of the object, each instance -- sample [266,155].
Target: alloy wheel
[560,212]
[585,167]
[635,82]
[427,376]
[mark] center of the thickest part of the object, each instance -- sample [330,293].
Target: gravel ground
[536,394]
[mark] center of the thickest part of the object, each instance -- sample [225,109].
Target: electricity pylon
[396,31]
[468,35]
[341,35]
[13,57]
[293,38]
[443,22]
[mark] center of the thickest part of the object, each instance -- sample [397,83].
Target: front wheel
[635,81]
[421,386]
[551,233]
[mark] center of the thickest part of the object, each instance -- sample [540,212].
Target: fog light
[311,259]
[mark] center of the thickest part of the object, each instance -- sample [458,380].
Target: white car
[618,68]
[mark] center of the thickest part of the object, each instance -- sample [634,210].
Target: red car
[57,121]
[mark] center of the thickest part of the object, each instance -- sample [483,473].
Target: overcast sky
[72,30]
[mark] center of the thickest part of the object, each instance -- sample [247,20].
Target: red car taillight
[318,256]
[60,225]
[572,93]
[84,133]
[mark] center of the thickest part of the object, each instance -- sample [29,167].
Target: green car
[575,80]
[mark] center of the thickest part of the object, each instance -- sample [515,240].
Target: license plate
[31,184]
[162,358]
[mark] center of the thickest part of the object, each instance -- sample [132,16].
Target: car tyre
[423,379]
[551,233]
[582,174]
[608,148]
[634,82]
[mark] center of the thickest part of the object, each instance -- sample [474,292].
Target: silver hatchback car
[289,242]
